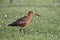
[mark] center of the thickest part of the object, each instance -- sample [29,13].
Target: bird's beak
[37,15]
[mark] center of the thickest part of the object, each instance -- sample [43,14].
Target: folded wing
[18,22]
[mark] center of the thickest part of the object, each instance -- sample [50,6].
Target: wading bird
[24,21]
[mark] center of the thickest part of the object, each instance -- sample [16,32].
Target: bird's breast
[29,18]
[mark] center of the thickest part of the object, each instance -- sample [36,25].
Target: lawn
[45,27]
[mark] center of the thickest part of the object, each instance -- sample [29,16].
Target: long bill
[37,15]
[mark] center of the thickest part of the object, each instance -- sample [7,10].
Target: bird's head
[31,13]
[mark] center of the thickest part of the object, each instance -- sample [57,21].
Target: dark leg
[22,30]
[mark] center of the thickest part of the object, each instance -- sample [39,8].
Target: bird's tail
[12,24]
[9,24]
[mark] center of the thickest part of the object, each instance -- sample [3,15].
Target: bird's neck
[30,15]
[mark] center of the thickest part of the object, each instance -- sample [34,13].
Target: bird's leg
[22,30]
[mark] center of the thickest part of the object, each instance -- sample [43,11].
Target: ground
[45,27]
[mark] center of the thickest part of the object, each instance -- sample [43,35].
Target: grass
[45,27]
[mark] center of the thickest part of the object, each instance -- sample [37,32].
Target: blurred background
[45,27]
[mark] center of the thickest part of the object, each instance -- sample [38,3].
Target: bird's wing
[21,20]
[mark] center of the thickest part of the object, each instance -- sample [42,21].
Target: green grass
[45,27]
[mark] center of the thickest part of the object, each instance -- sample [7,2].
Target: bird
[23,21]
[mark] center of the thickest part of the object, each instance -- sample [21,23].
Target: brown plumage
[24,21]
